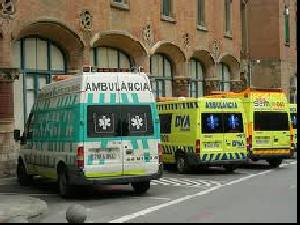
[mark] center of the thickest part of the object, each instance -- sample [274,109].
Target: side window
[29,130]
[294,120]
[165,123]
[233,123]
[212,123]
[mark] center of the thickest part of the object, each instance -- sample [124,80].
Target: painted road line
[156,182]
[175,183]
[187,197]
[182,181]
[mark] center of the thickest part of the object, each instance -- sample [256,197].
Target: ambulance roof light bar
[94,69]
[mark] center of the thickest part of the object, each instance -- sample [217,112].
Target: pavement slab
[14,207]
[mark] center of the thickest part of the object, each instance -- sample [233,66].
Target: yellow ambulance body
[270,134]
[293,110]
[202,131]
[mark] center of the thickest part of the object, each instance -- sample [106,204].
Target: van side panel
[184,128]
[55,130]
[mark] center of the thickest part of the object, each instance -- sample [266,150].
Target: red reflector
[80,157]
[249,140]
[198,146]
[160,153]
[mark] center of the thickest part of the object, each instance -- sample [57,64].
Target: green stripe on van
[134,144]
[145,144]
[101,98]
[124,98]
[113,98]
[90,98]
[135,98]
[104,143]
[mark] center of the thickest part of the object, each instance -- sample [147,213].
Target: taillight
[249,141]
[292,139]
[160,153]
[198,146]
[80,157]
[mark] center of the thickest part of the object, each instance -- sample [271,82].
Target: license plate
[212,145]
[103,154]
[262,141]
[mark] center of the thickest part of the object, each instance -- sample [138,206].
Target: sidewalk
[20,208]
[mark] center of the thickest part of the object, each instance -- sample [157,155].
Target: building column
[181,87]
[8,146]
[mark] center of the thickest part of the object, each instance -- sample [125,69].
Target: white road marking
[184,181]
[176,183]
[155,182]
[188,197]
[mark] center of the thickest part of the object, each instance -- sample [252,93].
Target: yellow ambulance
[293,110]
[202,131]
[270,134]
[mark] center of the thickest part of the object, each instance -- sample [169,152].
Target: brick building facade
[272,45]
[188,48]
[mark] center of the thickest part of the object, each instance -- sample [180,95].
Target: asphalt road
[254,193]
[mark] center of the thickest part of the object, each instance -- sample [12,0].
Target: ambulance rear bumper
[76,177]
[271,153]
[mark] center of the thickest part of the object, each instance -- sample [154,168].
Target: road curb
[13,207]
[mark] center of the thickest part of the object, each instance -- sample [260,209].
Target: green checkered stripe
[57,102]
[173,106]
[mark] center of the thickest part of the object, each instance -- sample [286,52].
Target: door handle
[129,151]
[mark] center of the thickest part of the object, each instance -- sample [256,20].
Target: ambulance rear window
[271,121]
[233,123]
[111,121]
[212,123]
[294,120]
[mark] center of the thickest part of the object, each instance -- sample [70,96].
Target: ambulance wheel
[141,187]
[274,163]
[182,164]
[229,168]
[63,183]
[23,177]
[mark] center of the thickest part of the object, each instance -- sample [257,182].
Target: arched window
[106,57]
[197,82]
[224,76]
[38,59]
[161,75]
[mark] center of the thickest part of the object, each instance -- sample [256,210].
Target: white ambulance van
[96,128]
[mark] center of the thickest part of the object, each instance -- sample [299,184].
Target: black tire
[64,187]
[230,168]
[141,187]
[182,164]
[274,163]
[24,179]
